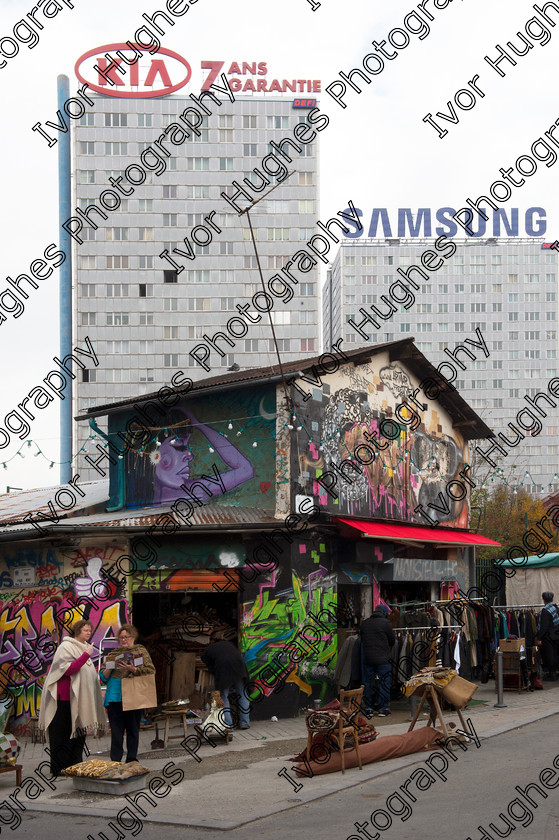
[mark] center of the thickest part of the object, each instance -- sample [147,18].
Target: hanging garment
[342,674]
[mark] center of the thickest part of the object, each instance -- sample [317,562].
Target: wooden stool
[168,716]
[17,768]
[38,736]
[429,693]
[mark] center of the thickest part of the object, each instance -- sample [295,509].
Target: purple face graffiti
[172,463]
[172,466]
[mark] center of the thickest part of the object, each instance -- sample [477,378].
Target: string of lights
[294,423]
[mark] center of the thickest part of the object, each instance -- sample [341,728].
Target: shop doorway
[175,627]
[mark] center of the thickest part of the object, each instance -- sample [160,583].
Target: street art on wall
[272,622]
[207,449]
[34,619]
[410,463]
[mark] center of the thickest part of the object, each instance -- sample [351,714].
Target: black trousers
[120,722]
[64,751]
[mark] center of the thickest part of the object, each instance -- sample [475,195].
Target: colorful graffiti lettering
[33,620]
[276,620]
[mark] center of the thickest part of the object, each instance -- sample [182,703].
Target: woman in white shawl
[71,700]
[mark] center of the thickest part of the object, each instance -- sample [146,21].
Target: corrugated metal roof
[206,516]
[464,417]
[14,506]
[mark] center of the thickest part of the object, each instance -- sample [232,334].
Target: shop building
[505,287]
[240,502]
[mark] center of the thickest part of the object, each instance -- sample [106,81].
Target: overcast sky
[376,152]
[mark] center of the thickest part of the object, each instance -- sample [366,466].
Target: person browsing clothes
[71,700]
[228,667]
[548,633]
[377,638]
[130,660]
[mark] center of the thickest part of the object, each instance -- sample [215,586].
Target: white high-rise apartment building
[505,287]
[141,316]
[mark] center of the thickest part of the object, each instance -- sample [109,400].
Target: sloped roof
[15,506]
[463,416]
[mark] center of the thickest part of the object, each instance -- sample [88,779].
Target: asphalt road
[479,786]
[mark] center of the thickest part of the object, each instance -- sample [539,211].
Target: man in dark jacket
[548,632]
[227,665]
[377,638]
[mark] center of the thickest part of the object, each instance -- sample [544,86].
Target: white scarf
[86,700]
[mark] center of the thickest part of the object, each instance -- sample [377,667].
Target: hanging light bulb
[38,453]
[4,465]
[255,444]
[51,466]
[239,434]
[28,443]
[290,426]
[321,447]
[212,450]
[230,425]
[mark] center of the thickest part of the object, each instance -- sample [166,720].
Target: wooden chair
[350,702]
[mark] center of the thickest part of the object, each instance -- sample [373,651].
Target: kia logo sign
[154,74]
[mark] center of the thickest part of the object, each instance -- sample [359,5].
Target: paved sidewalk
[258,754]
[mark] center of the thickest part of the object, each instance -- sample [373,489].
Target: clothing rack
[517,606]
[430,603]
[433,627]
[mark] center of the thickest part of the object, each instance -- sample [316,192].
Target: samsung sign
[424,222]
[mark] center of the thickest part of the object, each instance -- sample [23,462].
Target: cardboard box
[512,645]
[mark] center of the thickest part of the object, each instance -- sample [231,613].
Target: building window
[146,375]
[146,319]
[283,345]
[145,262]
[145,290]
[307,206]
[550,278]
[87,290]
[477,307]
[249,122]
[86,262]
[226,164]
[88,319]
[145,205]
[116,234]
[116,119]
[146,346]
[306,289]
[87,119]
[308,345]
[117,290]
[278,234]
[170,360]
[305,179]
[117,319]
[531,278]
[170,219]
[118,347]
[199,304]
[249,149]
[251,345]
[118,375]
[89,375]
[170,275]
[277,122]
[170,332]
[86,148]
[116,262]
[145,120]
[116,148]
[145,234]
[497,307]
[196,191]
[169,192]
[171,304]
[198,164]
[86,176]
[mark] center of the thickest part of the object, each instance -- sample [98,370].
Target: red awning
[414,533]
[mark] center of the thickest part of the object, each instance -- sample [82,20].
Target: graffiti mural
[400,465]
[69,586]
[276,616]
[208,449]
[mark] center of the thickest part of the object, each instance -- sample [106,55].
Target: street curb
[222,825]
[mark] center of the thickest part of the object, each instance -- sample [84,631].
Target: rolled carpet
[384,747]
